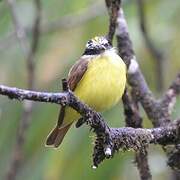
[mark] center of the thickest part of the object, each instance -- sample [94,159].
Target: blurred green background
[58,50]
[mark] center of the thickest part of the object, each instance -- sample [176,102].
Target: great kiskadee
[98,79]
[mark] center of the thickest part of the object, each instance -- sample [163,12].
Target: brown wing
[77,71]
[75,75]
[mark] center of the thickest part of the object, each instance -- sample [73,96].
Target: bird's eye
[90,42]
[106,44]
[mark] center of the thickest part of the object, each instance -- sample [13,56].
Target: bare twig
[19,30]
[28,105]
[74,20]
[113,8]
[34,45]
[156,53]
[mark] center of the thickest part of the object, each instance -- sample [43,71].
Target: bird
[98,79]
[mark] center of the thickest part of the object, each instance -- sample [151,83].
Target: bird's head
[97,45]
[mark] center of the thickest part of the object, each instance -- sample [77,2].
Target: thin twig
[74,20]
[19,30]
[17,158]
[156,53]
[34,45]
[113,8]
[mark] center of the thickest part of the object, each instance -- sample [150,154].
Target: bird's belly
[103,83]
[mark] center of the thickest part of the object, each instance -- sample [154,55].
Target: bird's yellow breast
[104,81]
[101,86]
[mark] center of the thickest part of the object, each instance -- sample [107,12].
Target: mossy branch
[109,140]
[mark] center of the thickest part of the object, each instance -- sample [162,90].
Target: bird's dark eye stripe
[93,51]
[96,46]
[106,44]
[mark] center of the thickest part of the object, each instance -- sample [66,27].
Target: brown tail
[57,135]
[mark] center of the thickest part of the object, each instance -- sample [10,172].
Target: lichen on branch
[109,140]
